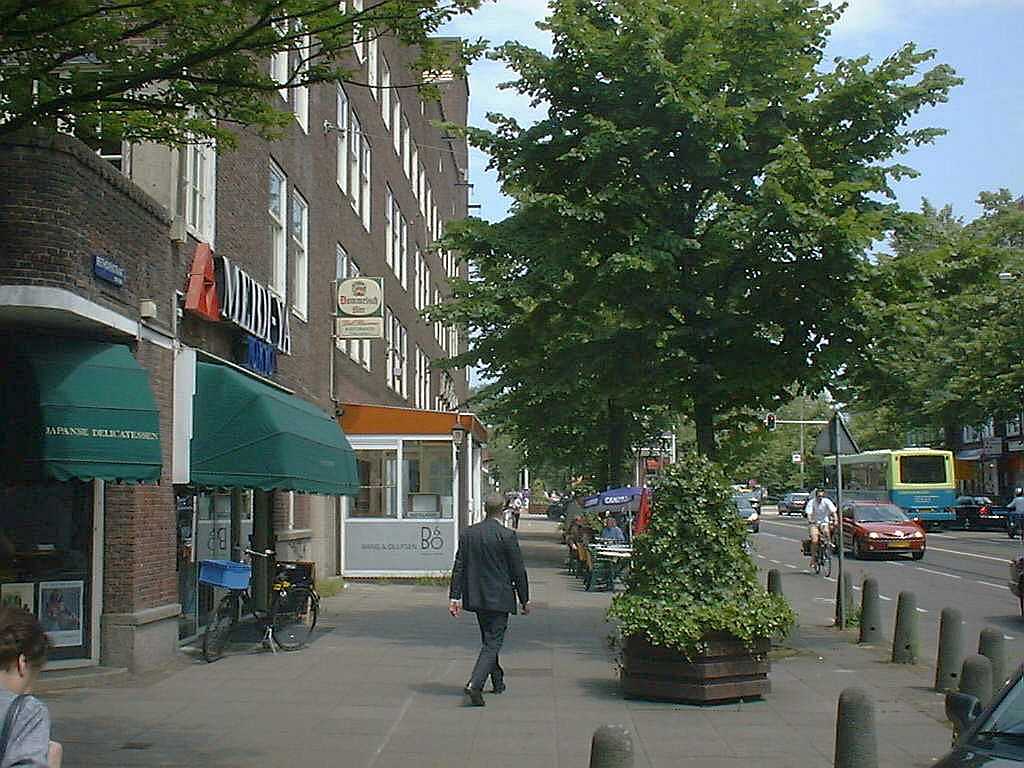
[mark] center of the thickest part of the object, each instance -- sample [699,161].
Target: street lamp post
[458,440]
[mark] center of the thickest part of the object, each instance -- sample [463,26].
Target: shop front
[419,485]
[258,460]
[80,417]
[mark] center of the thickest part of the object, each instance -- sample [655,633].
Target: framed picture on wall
[60,611]
[21,595]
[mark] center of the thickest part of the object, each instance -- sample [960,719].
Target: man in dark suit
[487,577]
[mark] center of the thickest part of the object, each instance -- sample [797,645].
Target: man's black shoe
[499,687]
[476,696]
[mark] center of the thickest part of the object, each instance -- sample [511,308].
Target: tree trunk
[704,418]
[616,444]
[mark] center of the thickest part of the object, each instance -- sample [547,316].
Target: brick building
[173,384]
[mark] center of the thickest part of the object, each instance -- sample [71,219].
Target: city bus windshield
[922,469]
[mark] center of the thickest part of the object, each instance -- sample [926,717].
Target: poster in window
[60,611]
[20,595]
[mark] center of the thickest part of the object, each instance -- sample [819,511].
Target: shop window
[378,486]
[46,553]
[428,479]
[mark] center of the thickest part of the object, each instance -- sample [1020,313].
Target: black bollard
[774,582]
[870,613]
[904,640]
[611,747]
[976,678]
[951,650]
[856,742]
[991,646]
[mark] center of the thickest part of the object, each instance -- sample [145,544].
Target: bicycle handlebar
[268,553]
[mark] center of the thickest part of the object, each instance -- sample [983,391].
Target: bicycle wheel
[219,627]
[293,615]
[826,564]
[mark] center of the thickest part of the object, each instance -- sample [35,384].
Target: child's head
[22,640]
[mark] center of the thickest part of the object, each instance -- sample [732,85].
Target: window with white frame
[988,429]
[372,69]
[446,399]
[199,182]
[396,342]
[357,349]
[278,207]
[406,145]
[422,379]
[279,71]
[300,105]
[343,140]
[438,327]
[414,164]
[354,149]
[1012,428]
[970,434]
[421,188]
[385,92]
[422,287]
[364,182]
[397,234]
[358,33]
[300,255]
[396,125]
[428,207]
[390,227]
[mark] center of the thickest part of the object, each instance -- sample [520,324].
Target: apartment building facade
[175,385]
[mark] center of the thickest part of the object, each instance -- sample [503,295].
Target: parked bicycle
[294,603]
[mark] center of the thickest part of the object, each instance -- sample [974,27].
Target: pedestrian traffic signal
[769,422]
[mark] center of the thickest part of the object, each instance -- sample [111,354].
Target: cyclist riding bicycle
[820,513]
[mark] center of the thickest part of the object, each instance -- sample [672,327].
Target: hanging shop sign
[256,355]
[220,291]
[359,312]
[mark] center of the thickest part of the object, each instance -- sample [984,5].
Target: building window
[396,343]
[422,286]
[279,64]
[199,182]
[396,125]
[357,349]
[372,70]
[406,145]
[358,41]
[446,399]
[364,182]
[300,106]
[1012,428]
[378,484]
[277,208]
[354,149]
[422,379]
[300,256]
[397,236]
[342,122]
[385,92]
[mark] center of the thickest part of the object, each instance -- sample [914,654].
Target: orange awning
[357,419]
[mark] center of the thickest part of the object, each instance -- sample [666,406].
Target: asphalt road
[967,570]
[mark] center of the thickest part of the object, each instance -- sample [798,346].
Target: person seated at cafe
[611,531]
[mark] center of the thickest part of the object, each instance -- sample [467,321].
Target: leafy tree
[173,70]
[688,216]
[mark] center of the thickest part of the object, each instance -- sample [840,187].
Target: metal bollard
[976,678]
[611,747]
[951,650]
[991,645]
[870,613]
[856,742]
[847,598]
[904,640]
[774,582]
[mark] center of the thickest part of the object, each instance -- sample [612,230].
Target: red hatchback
[879,527]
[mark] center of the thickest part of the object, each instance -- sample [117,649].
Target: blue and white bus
[918,480]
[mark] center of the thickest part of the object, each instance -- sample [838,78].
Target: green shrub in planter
[691,576]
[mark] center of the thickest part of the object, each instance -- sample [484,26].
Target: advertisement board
[359,308]
[399,546]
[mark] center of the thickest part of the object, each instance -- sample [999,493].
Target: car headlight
[917,535]
[873,535]
[753,517]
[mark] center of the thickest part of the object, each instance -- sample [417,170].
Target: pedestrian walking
[25,734]
[487,578]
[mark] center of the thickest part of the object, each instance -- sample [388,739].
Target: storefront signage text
[106,270]
[360,308]
[257,356]
[119,434]
[218,290]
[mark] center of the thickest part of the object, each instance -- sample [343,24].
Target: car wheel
[917,555]
[855,549]
[1011,530]
[967,523]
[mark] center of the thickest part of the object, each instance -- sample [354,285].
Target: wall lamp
[458,434]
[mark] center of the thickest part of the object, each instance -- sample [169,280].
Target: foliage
[172,71]
[945,337]
[691,574]
[688,216]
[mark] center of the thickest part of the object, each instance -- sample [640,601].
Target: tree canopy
[688,218]
[172,71]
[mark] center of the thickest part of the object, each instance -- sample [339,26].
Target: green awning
[248,435]
[78,409]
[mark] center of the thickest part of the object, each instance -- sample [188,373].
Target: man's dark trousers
[492,634]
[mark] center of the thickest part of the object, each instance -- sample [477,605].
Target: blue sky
[982,39]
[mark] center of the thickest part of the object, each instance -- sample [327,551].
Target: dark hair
[21,634]
[493,504]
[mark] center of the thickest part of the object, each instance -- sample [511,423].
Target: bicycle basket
[225,573]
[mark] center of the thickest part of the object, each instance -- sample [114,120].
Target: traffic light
[769,422]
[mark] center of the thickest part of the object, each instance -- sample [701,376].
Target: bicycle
[294,605]
[822,561]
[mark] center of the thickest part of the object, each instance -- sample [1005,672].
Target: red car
[879,527]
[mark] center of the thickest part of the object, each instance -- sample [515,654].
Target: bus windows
[922,469]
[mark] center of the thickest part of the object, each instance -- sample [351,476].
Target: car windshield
[742,502]
[982,500]
[1006,723]
[879,513]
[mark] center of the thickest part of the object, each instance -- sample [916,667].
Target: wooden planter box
[730,669]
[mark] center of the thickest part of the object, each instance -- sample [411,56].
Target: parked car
[749,510]
[979,512]
[880,527]
[793,503]
[989,737]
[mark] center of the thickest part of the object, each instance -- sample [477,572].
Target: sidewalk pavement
[381,686]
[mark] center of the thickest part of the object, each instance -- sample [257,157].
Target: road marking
[790,565]
[829,578]
[775,561]
[967,554]
[990,584]
[921,610]
[883,597]
[1008,637]
[856,588]
[939,573]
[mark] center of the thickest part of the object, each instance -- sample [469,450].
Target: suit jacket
[489,573]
